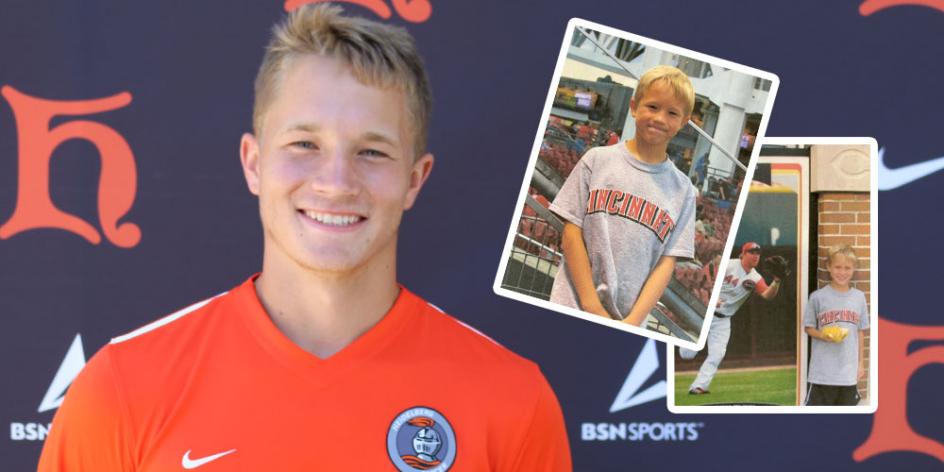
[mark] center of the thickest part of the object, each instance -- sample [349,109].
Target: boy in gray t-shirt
[629,213]
[836,317]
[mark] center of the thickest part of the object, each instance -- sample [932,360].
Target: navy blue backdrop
[845,70]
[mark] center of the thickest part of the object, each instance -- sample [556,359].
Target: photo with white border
[589,111]
[813,203]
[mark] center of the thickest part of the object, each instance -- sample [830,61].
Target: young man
[321,362]
[740,280]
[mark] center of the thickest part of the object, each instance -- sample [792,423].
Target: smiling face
[841,269]
[334,169]
[659,114]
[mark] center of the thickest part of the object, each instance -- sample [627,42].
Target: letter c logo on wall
[414,11]
[37,140]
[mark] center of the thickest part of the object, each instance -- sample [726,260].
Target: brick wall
[844,219]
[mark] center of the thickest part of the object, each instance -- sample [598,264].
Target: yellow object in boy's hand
[835,333]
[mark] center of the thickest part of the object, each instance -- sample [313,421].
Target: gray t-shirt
[832,363]
[631,214]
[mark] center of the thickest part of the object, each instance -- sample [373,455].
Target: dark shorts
[832,395]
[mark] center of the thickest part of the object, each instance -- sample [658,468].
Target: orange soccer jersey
[217,386]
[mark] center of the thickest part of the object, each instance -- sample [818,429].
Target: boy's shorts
[832,395]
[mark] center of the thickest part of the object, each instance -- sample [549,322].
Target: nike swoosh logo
[889,179]
[189,463]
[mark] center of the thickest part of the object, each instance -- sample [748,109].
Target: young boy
[629,213]
[836,355]
[323,361]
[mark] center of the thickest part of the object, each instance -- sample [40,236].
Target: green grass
[774,386]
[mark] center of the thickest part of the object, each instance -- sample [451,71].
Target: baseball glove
[835,333]
[777,266]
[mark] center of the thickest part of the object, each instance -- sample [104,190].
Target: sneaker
[698,391]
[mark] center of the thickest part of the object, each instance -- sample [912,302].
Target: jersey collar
[323,371]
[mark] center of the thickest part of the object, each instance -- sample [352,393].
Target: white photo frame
[803,294]
[748,74]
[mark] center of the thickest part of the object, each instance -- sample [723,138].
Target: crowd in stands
[542,239]
[565,144]
[712,226]
[562,158]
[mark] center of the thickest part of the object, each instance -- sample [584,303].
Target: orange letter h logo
[891,431]
[37,141]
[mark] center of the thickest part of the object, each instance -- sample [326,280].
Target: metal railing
[535,260]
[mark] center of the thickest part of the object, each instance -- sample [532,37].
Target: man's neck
[650,154]
[747,267]
[324,312]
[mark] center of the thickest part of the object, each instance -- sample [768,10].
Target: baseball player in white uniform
[740,279]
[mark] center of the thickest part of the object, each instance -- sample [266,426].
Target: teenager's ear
[249,158]
[418,175]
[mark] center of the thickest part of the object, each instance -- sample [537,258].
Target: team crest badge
[421,439]
[749,284]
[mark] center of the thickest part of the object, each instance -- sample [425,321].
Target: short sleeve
[545,447]
[571,201]
[682,241]
[864,322]
[89,431]
[760,285]
[809,314]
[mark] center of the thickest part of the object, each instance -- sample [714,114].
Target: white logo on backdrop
[889,179]
[71,364]
[68,370]
[646,364]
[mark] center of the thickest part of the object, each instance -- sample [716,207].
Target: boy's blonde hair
[677,80]
[842,250]
[378,54]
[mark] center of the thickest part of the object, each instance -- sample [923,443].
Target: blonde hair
[842,250]
[378,54]
[674,78]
